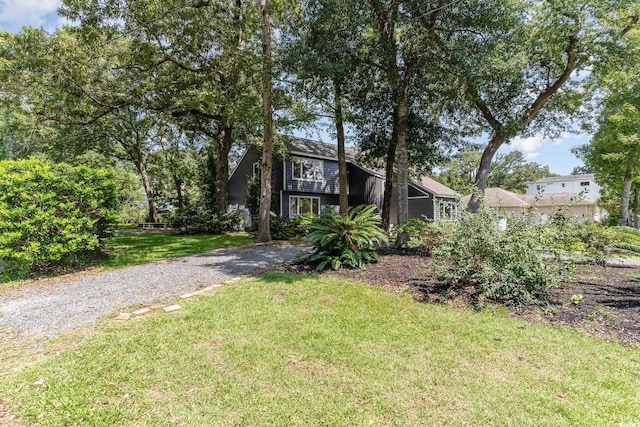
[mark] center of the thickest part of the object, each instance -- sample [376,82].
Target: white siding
[566,184]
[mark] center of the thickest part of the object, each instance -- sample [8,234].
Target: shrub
[424,235]
[51,211]
[201,220]
[348,240]
[507,266]
[282,228]
[589,242]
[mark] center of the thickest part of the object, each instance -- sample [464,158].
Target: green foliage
[509,171]
[201,220]
[588,242]
[627,235]
[51,211]
[507,266]
[423,234]
[346,241]
[289,228]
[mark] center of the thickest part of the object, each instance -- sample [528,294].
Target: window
[306,169]
[257,167]
[299,205]
[563,185]
[447,210]
[538,187]
[584,184]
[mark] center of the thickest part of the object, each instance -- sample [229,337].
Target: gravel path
[43,309]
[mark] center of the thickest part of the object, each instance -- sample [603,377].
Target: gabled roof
[317,149]
[497,197]
[323,150]
[435,187]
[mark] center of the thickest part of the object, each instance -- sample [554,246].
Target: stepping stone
[142,311]
[208,289]
[189,295]
[171,308]
[123,316]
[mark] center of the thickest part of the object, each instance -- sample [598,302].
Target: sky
[556,153]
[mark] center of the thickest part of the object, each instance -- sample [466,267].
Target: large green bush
[201,220]
[513,266]
[423,235]
[348,240]
[49,211]
[283,228]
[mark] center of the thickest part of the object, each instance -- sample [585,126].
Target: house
[584,184]
[580,208]
[306,181]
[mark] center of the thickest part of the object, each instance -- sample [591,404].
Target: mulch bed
[610,304]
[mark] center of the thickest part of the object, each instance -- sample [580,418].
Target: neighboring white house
[584,185]
[580,208]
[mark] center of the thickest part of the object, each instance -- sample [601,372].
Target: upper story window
[584,184]
[307,169]
[257,167]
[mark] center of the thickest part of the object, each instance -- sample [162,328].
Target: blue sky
[554,153]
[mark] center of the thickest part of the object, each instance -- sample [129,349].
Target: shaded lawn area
[142,248]
[296,349]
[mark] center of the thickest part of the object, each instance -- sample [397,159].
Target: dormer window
[307,169]
[584,184]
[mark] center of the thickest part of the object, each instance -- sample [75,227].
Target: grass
[142,248]
[286,349]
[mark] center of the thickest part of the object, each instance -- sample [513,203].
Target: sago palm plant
[346,241]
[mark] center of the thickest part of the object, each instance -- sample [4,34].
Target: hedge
[51,210]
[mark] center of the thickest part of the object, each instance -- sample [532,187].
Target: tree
[203,59]
[319,48]
[401,43]
[614,150]
[264,233]
[515,63]
[509,171]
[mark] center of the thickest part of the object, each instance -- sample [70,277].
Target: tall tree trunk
[388,176]
[626,192]
[482,176]
[342,158]
[636,209]
[225,141]
[142,170]
[264,233]
[180,190]
[403,154]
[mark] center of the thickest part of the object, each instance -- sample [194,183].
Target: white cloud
[35,13]
[530,147]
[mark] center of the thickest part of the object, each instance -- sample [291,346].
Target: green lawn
[141,248]
[286,349]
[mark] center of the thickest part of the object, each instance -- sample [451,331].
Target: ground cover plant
[295,349]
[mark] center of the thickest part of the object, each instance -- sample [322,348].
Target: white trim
[418,197]
[280,202]
[298,206]
[295,160]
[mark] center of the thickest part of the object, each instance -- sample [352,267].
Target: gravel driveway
[43,309]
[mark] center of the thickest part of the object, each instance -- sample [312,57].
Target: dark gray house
[306,180]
